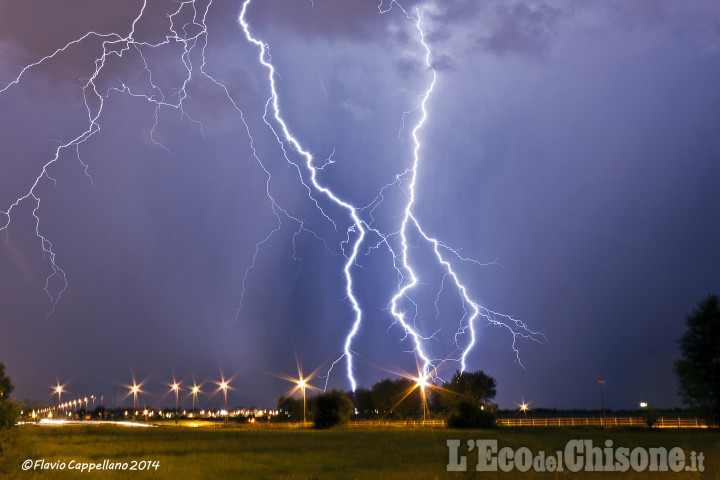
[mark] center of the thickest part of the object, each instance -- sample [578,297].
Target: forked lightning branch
[362,234]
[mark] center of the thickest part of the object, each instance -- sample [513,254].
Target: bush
[294,408]
[650,416]
[468,414]
[9,414]
[9,410]
[332,408]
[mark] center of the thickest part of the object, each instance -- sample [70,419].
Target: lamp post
[176,387]
[302,384]
[134,389]
[59,392]
[601,381]
[224,386]
[194,392]
[422,383]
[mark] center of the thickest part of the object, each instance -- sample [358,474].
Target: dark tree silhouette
[332,408]
[475,386]
[9,410]
[293,406]
[465,399]
[397,398]
[6,386]
[363,403]
[698,371]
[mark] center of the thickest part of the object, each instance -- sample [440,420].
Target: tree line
[464,401]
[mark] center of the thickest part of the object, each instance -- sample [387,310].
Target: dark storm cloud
[520,28]
[320,19]
[523,29]
[31,30]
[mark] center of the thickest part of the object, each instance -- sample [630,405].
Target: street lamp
[601,381]
[134,389]
[194,392]
[422,383]
[224,386]
[302,384]
[176,387]
[59,392]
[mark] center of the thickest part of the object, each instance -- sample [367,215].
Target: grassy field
[390,453]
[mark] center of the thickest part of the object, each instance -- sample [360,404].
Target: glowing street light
[224,387]
[134,390]
[302,384]
[58,389]
[421,382]
[195,391]
[176,387]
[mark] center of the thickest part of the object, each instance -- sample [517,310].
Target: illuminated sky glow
[174,223]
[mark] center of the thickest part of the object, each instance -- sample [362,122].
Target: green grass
[274,453]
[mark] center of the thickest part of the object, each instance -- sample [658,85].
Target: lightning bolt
[32,196]
[357,224]
[356,231]
[123,46]
[442,252]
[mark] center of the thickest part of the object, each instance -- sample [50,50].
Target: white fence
[599,422]
[548,422]
[398,423]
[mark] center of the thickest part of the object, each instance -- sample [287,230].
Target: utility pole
[601,381]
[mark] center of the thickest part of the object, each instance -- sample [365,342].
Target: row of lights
[420,382]
[135,389]
[176,387]
[301,384]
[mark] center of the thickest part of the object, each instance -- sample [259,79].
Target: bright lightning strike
[410,222]
[356,230]
[357,223]
[113,45]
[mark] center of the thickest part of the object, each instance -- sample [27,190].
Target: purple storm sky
[572,148]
